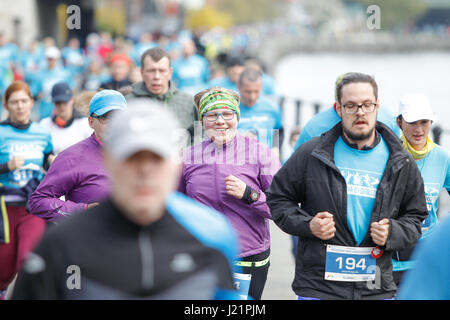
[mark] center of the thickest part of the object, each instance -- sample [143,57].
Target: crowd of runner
[155,170]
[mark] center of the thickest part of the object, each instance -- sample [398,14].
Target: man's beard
[360,136]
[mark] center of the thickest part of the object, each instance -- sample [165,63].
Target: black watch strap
[250,195]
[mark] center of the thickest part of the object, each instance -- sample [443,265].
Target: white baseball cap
[52,53]
[144,126]
[414,107]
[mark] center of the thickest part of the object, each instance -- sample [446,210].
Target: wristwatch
[250,195]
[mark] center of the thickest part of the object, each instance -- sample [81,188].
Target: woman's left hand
[235,187]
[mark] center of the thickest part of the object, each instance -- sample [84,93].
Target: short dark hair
[155,54]
[234,61]
[354,77]
[250,74]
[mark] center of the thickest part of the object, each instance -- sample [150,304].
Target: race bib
[242,284]
[349,264]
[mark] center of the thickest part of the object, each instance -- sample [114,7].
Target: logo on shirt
[182,262]
[360,182]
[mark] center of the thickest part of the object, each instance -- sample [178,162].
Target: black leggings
[259,274]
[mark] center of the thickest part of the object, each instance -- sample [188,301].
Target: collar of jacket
[140,90]
[324,150]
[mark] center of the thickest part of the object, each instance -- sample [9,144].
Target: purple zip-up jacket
[205,167]
[78,173]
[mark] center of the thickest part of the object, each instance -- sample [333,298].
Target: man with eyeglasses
[361,197]
[325,120]
[78,172]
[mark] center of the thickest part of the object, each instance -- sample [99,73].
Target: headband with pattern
[218,99]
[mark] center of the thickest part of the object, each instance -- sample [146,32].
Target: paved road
[281,271]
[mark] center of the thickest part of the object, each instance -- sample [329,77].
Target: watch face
[254,195]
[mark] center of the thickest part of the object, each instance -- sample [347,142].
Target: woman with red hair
[25,150]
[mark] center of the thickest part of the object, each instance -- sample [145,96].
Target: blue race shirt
[362,171]
[435,171]
[44,82]
[223,82]
[327,119]
[190,72]
[430,277]
[32,143]
[261,120]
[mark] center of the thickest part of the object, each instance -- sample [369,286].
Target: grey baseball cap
[144,125]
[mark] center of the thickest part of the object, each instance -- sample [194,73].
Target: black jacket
[311,178]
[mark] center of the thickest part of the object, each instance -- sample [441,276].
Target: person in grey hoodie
[157,72]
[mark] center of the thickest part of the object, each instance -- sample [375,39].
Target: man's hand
[379,231]
[322,225]
[15,163]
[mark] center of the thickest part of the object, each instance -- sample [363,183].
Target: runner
[157,85]
[230,173]
[145,241]
[361,197]
[325,120]
[25,149]
[259,115]
[190,71]
[429,279]
[43,81]
[234,66]
[67,125]
[78,172]
[415,119]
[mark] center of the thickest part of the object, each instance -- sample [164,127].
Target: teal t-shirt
[362,171]
[32,143]
[261,120]
[435,171]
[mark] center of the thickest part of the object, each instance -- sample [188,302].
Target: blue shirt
[430,277]
[223,82]
[139,49]
[44,82]
[327,119]
[362,171]
[32,143]
[261,120]
[192,72]
[435,171]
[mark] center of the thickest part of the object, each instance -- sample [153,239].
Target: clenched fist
[322,225]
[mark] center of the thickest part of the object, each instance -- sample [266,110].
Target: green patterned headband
[218,99]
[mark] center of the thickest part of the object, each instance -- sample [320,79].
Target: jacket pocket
[404,254]
[313,254]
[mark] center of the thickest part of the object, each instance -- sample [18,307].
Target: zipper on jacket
[332,165]
[147,259]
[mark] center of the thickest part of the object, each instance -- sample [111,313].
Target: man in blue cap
[67,125]
[78,172]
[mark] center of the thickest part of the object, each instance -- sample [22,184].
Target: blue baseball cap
[105,101]
[61,92]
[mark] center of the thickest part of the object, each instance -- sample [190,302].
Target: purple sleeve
[269,165]
[59,180]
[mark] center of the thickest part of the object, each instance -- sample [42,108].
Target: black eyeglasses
[226,115]
[104,117]
[366,107]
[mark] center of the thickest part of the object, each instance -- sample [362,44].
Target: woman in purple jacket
[230,172]
[78,172]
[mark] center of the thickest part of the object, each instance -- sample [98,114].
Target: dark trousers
[259,274]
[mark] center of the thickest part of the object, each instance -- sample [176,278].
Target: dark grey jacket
[179,102]
[311,178]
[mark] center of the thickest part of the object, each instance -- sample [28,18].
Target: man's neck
[365,144]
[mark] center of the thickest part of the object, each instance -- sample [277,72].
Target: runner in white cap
[415,120]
